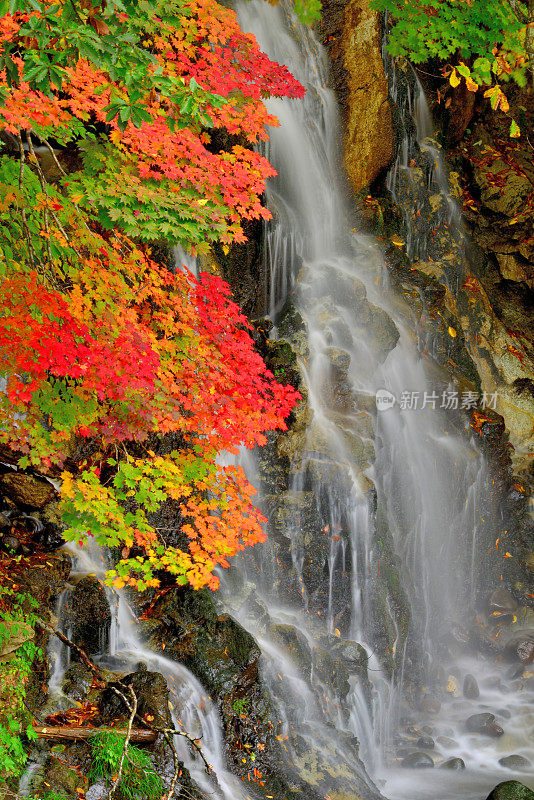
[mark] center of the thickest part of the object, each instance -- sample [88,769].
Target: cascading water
[379,534]
[192,710]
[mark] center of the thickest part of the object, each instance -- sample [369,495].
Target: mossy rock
[511,790]
[59,778]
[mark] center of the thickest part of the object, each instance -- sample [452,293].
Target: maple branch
[25,228]
[51,150]
[43,183]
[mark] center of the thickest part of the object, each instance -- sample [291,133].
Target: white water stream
[434,489]
[192,710]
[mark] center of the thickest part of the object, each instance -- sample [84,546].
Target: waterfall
[376,558]
[192,710]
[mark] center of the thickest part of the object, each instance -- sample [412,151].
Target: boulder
[58,779]
[511,790]
[514,761]
[152,699]
[417,761]
[453,763]
[502,189]
[485,724]
[26,490]
[470,687]
[89,615]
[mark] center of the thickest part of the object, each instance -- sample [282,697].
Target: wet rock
[331,670]
[428,704]
[511,790]
[10,544]
[152,699]
[27,490]
[369,128]
[485,724]
[295,645]
[502,602]
[426,742]
[446,741]
[470,687]
[505,196]
[89,615]
[56,778]
[78,681]
[417,761]
[213,646]
[453,763]
[514,761]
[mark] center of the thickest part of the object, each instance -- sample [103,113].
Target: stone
[511,790]
[502,602]
[57,778]
[470,687]
[78,680]
[446,741]
[506,196]
[417,761]
[453,763]
[369,130]
[152,699]
[514,761]
[425,742]
[485,724]
[27,490]
[89,614]
[14,634]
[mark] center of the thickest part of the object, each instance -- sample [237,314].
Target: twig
[42,181]
[25,228]
[61,636]
[132,708]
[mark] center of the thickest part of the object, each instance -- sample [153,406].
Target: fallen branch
[137,735]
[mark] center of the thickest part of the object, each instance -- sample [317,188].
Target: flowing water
[192,710]
[405,486]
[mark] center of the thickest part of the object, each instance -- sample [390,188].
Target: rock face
[352,33]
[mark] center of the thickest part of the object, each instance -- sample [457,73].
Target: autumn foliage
[152,368]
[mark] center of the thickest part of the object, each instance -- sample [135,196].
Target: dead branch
[137,735]
[132,708]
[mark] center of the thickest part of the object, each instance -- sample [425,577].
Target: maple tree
[109,114]
[489,42]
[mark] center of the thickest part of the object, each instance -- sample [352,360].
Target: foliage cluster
[16,614]
[98,341]
[488,43]
[138,780]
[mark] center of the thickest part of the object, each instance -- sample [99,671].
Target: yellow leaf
[397,241]
[225,249]
[76,198]
[337,631]
[202,202]
[471,85]
[452,332]
[454,80]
